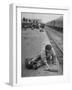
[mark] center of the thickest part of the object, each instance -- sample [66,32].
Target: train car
[56,24]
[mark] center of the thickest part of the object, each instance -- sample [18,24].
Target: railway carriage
[56,24]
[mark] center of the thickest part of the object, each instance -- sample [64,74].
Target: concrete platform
[33,42]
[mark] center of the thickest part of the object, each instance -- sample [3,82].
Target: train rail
[58,47]
[58,50]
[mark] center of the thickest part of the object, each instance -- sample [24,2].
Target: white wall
[4,41]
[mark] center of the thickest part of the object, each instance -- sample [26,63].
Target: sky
[44,17]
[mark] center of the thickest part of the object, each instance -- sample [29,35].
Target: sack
[28,63]
[33,64]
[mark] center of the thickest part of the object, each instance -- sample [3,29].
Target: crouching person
[48,56]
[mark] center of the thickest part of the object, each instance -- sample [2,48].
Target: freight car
[56,24]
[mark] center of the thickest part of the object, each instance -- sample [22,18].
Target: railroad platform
[33,42]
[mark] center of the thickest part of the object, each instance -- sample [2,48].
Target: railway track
[58,50]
